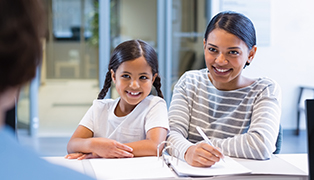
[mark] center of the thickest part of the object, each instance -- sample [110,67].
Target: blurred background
[82,33]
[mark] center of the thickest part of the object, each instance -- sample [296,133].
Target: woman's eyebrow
[212,45]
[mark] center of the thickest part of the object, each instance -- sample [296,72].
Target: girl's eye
[143,77]
[234,52]
[125,76]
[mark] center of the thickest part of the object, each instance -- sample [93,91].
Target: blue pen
[205,138]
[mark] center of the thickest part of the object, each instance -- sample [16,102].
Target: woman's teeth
[222,70]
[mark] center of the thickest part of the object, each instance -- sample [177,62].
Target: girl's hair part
[130,50]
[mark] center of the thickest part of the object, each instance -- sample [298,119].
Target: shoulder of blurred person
[18,162]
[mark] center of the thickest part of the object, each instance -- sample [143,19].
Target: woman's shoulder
[265,83]
[195,76]
[196,73]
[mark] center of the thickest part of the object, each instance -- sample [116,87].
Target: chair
[300,105]
[73,62]
[279,141]
[309,107]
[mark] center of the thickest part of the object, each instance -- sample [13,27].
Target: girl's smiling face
[133,80]
[225,57]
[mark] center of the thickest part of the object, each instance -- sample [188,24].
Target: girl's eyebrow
[143,73]
[127,72]
[227,48]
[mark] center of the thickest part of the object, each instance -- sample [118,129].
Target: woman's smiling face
[225,57]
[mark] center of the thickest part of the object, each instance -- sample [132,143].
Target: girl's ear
[154,77]
[113,76]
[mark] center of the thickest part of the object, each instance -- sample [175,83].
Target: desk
[281,166]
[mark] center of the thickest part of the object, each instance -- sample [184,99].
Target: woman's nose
[221,59]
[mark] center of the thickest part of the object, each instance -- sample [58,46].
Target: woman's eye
[212,49]
[234,52]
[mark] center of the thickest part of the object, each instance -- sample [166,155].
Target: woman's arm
[148,147]
[260,139]
[82,141]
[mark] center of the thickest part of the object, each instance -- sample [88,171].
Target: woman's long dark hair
[130,50]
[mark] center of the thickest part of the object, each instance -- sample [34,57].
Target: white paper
[69,163]
[131,168]
[226,167]
[274,165]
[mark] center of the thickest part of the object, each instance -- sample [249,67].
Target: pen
[206,138]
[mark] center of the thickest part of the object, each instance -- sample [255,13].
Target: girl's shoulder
[104,103]
[152,99]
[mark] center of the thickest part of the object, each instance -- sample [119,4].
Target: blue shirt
[17,162]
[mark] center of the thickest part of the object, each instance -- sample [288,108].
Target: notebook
[309,104]
[226,167]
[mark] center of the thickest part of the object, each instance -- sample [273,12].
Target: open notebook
[226,167]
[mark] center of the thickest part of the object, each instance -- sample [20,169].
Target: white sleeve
[88,119]
[157,116]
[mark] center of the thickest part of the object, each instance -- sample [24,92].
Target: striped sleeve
[179,116]
[260,139]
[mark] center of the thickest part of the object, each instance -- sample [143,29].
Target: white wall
[143,26]
[290,57]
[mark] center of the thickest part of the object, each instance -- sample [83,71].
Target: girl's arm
[148,147]
[82,141]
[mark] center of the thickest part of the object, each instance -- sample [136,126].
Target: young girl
[133,124]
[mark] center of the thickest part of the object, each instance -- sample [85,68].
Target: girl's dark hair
[130,50]
[22,27]
[234,23]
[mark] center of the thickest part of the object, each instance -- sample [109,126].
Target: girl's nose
[134,84]
[221,59]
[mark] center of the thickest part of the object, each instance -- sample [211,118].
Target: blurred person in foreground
[22,27]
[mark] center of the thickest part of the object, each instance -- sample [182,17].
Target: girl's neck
[123,109]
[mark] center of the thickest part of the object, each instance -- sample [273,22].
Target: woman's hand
[108,148]
[202,155]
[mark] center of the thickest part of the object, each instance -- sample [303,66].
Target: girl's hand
[81,156]
[202,155]
[108,148]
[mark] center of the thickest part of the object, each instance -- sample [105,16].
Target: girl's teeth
[134,93]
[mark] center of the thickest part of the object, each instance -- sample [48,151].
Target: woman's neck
[239,83]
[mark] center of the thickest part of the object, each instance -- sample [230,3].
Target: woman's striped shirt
[242,123]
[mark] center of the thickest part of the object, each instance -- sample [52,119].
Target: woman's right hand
[202,155]
[108,148]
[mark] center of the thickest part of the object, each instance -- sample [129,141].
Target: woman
[240,115]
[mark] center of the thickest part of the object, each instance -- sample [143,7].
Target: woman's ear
[113,76]
[252,54]
[204,43]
